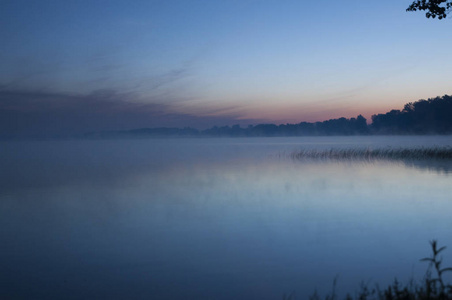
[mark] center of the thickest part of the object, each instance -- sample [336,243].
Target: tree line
[432,116]
[341,126]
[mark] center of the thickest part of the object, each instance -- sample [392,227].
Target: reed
[367,154]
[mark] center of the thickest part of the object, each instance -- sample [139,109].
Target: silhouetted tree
[341,126]
[265,130]
[434,8]
[420,117]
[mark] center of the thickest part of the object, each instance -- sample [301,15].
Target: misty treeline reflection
[430,116]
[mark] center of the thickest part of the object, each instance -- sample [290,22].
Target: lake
[231,218]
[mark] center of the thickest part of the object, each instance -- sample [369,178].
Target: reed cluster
[436,153]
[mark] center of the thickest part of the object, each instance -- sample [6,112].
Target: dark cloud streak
[36,114]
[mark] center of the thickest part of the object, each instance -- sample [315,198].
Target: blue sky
[205,63]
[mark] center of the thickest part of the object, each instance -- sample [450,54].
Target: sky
[78,66]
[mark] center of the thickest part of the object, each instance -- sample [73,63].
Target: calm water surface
[214,218]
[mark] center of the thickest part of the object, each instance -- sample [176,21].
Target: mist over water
[215,218]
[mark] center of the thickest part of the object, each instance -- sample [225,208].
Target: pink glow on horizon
[294,115]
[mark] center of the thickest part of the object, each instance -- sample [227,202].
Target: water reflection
[436,163]
[221,219]
[439,166]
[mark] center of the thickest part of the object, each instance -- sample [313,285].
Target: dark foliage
[430,288]
[432,116]
[341,126]
[420,117]
[433,8]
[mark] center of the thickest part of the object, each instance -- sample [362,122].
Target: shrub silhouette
[430,288]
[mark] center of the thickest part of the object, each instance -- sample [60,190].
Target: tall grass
[436,153]
[432,287]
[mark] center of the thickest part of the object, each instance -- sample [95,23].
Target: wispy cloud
[39,114]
